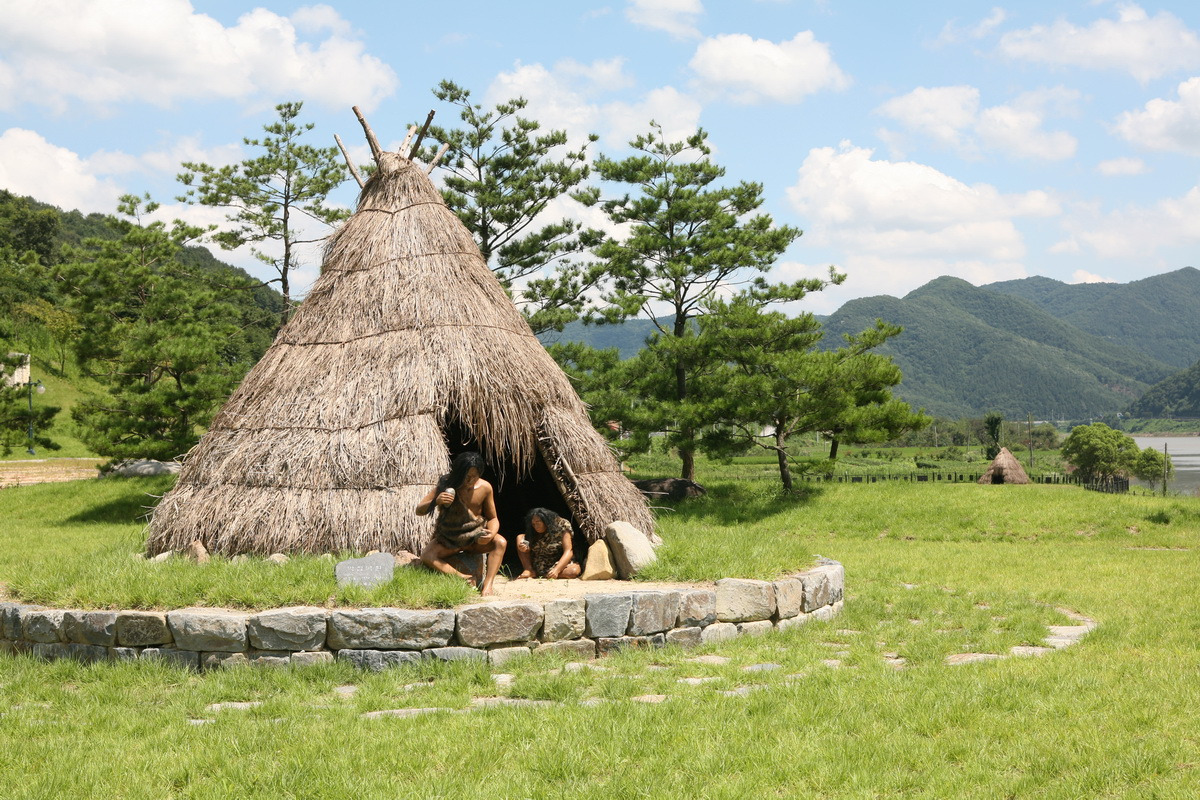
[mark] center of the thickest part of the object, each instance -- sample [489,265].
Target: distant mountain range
[1033,346]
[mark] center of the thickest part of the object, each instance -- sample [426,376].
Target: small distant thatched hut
[1004,469]
[406,352]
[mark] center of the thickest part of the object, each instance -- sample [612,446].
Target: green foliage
[993,425]
[265,194]
[1100,453]
[156,340]
[1176,396]
[1153,466]
[688,238]
[503,173]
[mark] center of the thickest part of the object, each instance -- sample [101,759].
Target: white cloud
[571,96]
[29,165]
[1165,124]
[59,52]
[899,224]
[1121,166]
[1138,232]
[1083,276]
[676,17]
[748,70]
[1146,47]
[951,117]
[952,34]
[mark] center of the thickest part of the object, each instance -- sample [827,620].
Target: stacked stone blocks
[377,638]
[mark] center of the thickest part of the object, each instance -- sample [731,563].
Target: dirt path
[47,470]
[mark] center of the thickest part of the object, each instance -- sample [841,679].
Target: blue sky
[908,140]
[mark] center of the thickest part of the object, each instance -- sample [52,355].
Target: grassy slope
[1116,716]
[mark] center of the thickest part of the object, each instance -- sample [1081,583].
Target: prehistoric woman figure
[545,546]
[467,521]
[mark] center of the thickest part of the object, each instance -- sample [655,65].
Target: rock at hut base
[197,552]
[404,558]
[631,549]
[599,563]
[278,558]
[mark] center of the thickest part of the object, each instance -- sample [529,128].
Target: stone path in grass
[1058,637]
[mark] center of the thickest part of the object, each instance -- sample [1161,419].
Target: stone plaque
[369,572]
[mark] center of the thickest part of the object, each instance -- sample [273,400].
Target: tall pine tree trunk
[785,471]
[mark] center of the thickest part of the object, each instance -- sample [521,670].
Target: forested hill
[967,350]
[1176,397]
[1156,315]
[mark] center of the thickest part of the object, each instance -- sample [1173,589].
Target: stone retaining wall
[375,638]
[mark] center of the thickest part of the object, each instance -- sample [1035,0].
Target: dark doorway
[516,493]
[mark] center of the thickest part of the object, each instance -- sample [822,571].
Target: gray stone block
[484,624]
[823,586]
[208,630]
[653,612]
[697,608]
[91,627]
[298,628]
[50,651]
[740,600]
[787,623]
[631,549]
[42,625]
[607,615]
[10,619]
[718,632]
[223,660]
[789,597]
[502,655]
[142,629]
[565,619]
[456,654]
[87,653]
[570,648]
[312,659]
[270,658]
[612,645]
[756,628]
[7,648]
[189,659]
[389,629]
[377,660]
[123,653]
[369,572]
[684,637]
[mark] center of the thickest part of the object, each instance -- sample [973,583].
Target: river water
[1185,455]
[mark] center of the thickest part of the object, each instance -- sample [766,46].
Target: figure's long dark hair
[462,463]
[547,517]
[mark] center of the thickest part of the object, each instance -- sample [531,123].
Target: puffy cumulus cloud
[574,97]
[676,17]
[951,116]
[904,222]
[1121,166]
[1171,125]
[30,165]
[1137,231]
[1146,47]
[748,70]
[93,54]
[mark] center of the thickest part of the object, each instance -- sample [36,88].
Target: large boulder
[631,549]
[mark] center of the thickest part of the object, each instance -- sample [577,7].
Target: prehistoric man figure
[545,546]
[467,521]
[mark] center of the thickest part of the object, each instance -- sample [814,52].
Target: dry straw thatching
[406,352]
[1004,469]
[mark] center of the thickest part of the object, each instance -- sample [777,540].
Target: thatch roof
[1004,469]
[406,351]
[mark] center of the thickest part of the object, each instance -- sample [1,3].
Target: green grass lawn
[931,570]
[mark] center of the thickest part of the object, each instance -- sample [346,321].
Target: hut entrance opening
[998,476]
[516,492]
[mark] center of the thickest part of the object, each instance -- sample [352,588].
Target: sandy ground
[47,470]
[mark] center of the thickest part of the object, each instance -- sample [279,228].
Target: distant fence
[1115,485]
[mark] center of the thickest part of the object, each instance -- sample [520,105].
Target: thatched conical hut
[406,352]
[1004,469]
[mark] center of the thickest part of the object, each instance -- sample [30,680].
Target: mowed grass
[931,571]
